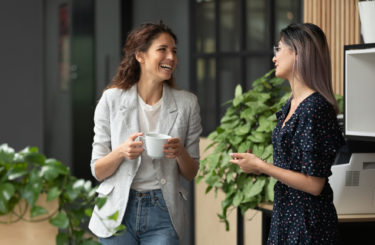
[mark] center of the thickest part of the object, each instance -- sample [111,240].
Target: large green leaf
[7,190]
[6,153]
[31,192]
[53,193]
[34,157]
[60,220]
[238,198]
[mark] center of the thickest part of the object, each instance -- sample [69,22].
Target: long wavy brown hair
[314,62]
[138,40]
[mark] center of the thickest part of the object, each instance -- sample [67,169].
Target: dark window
[232,44]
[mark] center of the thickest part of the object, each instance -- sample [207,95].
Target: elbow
[316,185]
[316,192]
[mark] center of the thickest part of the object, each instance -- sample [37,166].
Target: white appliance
[353,184]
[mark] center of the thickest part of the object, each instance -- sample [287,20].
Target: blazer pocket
[105,189]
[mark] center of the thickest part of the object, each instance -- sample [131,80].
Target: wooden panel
[208,228]
[339,19]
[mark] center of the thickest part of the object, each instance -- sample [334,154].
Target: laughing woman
[305,142]
[141,99]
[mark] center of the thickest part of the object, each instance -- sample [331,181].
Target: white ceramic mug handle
[143,139]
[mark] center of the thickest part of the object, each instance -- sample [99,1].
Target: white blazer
[116,118]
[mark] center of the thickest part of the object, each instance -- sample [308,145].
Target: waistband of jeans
[150,193]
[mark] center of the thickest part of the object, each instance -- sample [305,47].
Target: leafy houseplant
[247,124]
[27,175]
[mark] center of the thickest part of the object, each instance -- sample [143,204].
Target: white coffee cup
[153,144]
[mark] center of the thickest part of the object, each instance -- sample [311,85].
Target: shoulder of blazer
[182,96]
[122,98]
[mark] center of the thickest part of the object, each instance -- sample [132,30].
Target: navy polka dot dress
[307,143]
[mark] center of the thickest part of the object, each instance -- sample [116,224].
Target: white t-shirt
[148,117]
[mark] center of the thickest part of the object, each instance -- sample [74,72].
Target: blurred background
[57,56]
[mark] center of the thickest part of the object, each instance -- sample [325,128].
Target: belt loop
[152,195]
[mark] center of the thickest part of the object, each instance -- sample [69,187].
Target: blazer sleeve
[102,133]
[194,130]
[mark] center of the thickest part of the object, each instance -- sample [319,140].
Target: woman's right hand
[131,149]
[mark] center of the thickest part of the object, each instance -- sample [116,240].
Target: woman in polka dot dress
[305,142]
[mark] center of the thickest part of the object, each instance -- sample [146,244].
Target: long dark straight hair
[138,40]
[313,62]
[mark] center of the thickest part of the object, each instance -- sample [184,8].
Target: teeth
[166,67]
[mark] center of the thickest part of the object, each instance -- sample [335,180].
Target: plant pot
[367,16]
[26,232]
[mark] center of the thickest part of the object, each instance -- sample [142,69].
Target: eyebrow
[166,46]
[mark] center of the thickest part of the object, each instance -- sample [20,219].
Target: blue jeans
[147,221]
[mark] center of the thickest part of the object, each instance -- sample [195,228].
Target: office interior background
[57,56]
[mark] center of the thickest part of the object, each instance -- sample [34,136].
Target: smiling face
[160,60]
[284,59]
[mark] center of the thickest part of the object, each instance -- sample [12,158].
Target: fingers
[171,152]
[135,135]
[237,155]
[172,148]
[235,161]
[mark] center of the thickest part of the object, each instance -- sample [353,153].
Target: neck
[150,91]
[300,91]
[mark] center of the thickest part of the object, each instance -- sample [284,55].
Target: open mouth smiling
[167,67]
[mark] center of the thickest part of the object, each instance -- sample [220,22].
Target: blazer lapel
[168,113]
[129,110]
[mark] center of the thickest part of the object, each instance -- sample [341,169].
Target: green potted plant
[28,175]
[247,124]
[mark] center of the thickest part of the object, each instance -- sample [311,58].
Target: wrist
[261,165]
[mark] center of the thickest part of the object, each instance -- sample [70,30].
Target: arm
[249,163]
[130,149]
[187,156]
[187,165]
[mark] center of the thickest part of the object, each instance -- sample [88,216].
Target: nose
[171,55]
[274,59]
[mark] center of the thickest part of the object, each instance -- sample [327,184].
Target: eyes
[276,49]
[164,49]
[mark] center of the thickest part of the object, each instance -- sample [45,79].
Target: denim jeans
[147,221]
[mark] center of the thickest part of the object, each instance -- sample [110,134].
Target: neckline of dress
[295,111]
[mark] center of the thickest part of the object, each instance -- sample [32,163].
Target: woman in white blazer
[142,98]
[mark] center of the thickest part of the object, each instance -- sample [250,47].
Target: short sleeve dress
[307,143]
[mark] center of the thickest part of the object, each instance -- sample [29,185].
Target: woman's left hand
[173,148]
[248,162]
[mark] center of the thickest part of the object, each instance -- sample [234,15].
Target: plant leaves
[88,212]
[6,153]
[238,198]
[256,188]
[100,201]
[62,239]
[114,216]
[6,191]
[60,220]
[119,229]
[37,210]
[53,193]
[238,91]
[31,192]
